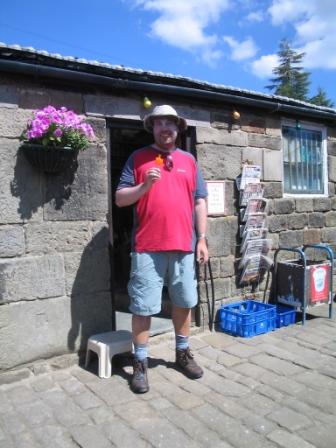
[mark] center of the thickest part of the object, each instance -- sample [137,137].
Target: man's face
[165,132]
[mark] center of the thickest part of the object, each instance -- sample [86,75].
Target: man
[169,196]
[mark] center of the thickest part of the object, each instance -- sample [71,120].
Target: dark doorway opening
[125,137]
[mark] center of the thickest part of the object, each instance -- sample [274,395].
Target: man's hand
[152,175]
[202,254]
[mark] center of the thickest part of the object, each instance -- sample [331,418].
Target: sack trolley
[302,282]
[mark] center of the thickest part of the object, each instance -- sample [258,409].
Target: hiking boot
[139,382]
[185,361]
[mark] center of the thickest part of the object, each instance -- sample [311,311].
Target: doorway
[125,137]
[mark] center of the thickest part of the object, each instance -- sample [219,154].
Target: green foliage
[290,79]
[320,99]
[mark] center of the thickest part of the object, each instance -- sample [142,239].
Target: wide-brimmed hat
[164,111]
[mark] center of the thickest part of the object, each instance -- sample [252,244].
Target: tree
[290,79]
[320,99]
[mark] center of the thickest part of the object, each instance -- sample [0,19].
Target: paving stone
[73,387]
[101,414]
[54,436]
[228,360]
[87,400]
[282,384]
[111,392]
[242,351]
[250,369]
[88,436]
[160,403]
[12,423]
[288,440]
[25,440]
[289,419]
[35,413]
[123,436]
[42,383]
[193,427]
[320,436]
[258,403]
[224,386]
[227,427]
[276,365]
[314,414]
[217,340]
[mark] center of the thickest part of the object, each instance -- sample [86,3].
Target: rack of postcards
[253,231]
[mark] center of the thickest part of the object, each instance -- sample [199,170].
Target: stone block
[71,100]
[316,219]
[304,205]
[223,120]
[297,221]
[50,237]
[231,198]
[20,186]
[113,106]
[46,328]
[31,278]
[273,126]
[275,240]
[87,271]
[99,128]
[333,203]
[291,238]
[8,96]
[272,161]
[219,162]
[227,266]
[331,147]
[222,288]
[277,223]
[273,190]
[264,141]
[80,196]
[331,189]
[252,155]
[329,235]
[311,236]
[332,168]
[322,204]
[284,206]
[34,98]
[330,219]
[203,271]
[12,241]
[253,123]
[222,234]
[221,137]
[13,121]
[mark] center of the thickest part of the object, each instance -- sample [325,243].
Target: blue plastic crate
[285,315]
[247,318]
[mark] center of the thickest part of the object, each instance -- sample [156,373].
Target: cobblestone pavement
[273,390]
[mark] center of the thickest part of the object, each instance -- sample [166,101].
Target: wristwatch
[201,236]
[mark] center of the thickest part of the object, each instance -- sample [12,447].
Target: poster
[216,197]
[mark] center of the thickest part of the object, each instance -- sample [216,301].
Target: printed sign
[319,283]
[251,191]
[216,197]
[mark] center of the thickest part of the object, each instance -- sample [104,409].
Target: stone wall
[54,229]
[54,260]
[221,149]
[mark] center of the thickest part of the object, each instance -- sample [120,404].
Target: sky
[228,42]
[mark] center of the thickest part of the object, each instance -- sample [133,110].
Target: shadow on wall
[31,187]
[88,285]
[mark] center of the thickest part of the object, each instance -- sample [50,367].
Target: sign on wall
[216,197]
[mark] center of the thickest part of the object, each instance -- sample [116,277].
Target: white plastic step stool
[106,345]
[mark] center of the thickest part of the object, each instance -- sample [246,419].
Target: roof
[32,56]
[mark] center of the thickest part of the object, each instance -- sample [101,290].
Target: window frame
[314,127]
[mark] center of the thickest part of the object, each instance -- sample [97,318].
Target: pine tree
[290,79]
[320,99]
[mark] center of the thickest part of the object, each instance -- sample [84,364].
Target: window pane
[303,160]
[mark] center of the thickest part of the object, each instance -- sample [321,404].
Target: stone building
[64,245]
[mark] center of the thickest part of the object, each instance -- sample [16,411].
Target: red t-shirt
[164,216]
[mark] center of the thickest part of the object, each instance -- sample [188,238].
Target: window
[304,159]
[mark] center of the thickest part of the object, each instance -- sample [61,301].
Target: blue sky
[230,42]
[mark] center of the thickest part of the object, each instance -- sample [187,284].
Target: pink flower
[58,132]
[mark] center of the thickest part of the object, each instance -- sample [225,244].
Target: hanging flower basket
[54,137]
[49,159]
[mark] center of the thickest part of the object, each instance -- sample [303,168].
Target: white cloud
[263,66]
[184,24]
[241,50]
[255,16]
[314,23]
